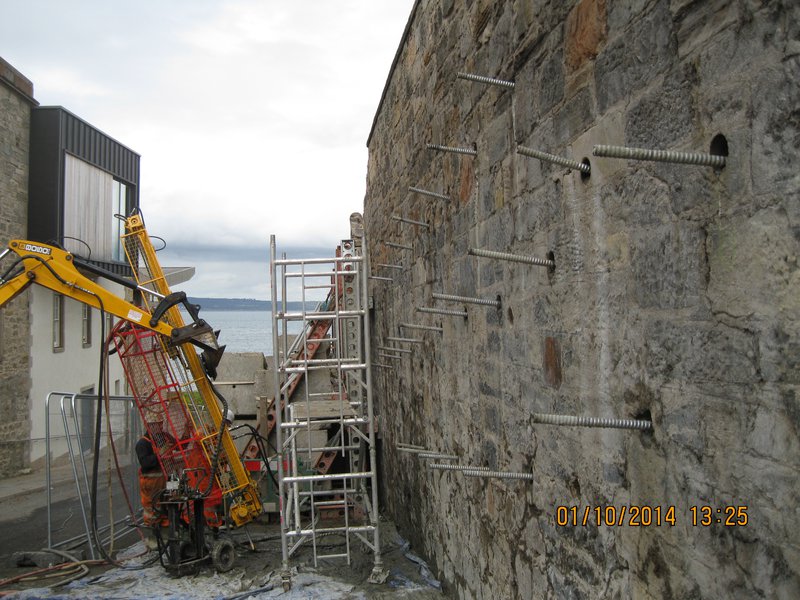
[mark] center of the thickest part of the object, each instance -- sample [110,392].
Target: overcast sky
[251,116]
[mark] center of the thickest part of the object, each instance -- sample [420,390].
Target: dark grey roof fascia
[85,122]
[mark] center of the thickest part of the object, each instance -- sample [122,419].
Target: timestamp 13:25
[730,516]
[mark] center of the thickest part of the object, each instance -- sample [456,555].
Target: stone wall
[675,295]
[15,108]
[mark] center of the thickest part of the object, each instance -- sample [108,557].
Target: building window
[58,322]
[119,206]
[109,325]
[86,325]
[86,416]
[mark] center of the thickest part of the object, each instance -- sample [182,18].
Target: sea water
[245,330]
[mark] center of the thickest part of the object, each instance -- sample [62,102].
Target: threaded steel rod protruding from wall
[401,246]
[670,156]
[436,195]
[413,446]
[467,299]
[387,266]
[422,327]
[379,278]
[559,160]
[486,80]
[382,366]
[410,221]
[444,467]
[437,456]
[402,340]
[416,450]
[575,421]
[393,349]
[530,260]
[470,151]
[390,356]
[408,450]
[499,475]
[442,311]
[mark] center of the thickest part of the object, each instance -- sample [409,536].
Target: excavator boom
[54,268]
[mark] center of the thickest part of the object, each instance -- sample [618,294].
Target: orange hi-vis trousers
[150,486]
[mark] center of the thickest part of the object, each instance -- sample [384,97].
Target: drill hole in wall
[552,268]
[585,176]
[645,415]
[510,315]
[719,146]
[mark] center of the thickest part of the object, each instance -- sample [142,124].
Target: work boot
[150,541]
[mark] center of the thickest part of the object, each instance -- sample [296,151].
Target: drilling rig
[169,366]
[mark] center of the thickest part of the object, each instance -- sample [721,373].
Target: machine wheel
[223,555]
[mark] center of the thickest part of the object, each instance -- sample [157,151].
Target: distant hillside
[241,304]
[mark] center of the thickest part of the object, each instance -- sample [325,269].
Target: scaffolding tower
[336,499]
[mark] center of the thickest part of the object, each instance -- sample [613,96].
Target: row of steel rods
[395,352]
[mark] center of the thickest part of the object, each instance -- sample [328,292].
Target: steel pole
[377,570]
[285,574]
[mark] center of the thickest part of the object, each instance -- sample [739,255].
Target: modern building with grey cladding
[63,183]
[72,161]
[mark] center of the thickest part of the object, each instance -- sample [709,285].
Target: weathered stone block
[776,128]
[668,266]
[779,351]
[634,57]
[498,142]
[700,354]
[575,116]
[551,83]
[585,31]
[761,276]
[664,116]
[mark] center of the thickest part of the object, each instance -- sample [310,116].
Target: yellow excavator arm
[55,269]
[58,270]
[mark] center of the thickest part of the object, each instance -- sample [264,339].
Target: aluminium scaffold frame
[351,488]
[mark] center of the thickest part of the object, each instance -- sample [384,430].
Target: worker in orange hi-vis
[151,478]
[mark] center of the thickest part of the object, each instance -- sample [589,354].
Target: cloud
[63,80]
[251,117]
[242,251]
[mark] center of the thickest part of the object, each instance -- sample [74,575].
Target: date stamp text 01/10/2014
[650,516]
